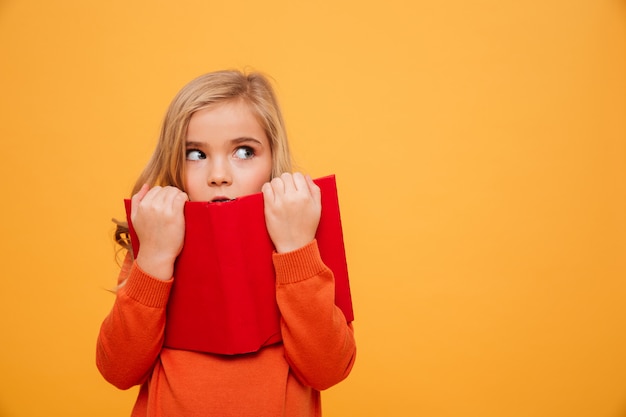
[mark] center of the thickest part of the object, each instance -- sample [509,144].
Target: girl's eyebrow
[235,141]
[244,139]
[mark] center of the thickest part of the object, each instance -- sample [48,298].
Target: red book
[223,299]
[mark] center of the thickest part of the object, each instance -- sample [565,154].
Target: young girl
[223,137]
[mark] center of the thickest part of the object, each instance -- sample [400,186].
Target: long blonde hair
[167,164]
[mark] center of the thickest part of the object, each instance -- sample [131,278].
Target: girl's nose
[219,174]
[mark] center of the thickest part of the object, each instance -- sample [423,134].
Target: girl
[223,137]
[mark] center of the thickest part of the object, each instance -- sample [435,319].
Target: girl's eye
[244,152]
[195,155]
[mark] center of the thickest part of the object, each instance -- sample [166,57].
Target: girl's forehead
[225,121]
[237,104]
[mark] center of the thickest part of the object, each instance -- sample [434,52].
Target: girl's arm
[319,343]
[131,336]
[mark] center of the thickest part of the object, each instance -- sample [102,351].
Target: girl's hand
[158,218]
[293,206]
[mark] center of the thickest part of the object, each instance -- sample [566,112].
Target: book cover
[223,298]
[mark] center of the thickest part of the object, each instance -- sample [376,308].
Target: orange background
[480,153]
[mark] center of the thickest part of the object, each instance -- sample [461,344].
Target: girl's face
[228,154]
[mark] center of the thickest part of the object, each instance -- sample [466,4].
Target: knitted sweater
[317,351]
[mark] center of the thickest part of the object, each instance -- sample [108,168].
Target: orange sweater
[318,350]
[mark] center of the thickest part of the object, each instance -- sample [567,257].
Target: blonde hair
[167,164]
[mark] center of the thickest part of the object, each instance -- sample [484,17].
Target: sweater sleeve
[319,343]
[131,336]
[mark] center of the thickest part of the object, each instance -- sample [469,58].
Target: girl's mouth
[221,199]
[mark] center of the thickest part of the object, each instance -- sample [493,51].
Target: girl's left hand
[293,206]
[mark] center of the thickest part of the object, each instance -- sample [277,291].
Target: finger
[160,198]
[183,196]
[171,199]
[180,199]
[300,182]
[278,185]
[137,198]
[288,181]
[152,195]
[268,192]
[314,189]
[142,192]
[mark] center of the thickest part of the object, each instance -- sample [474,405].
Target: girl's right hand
[158,219]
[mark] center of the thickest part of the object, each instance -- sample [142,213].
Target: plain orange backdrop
[480,154]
